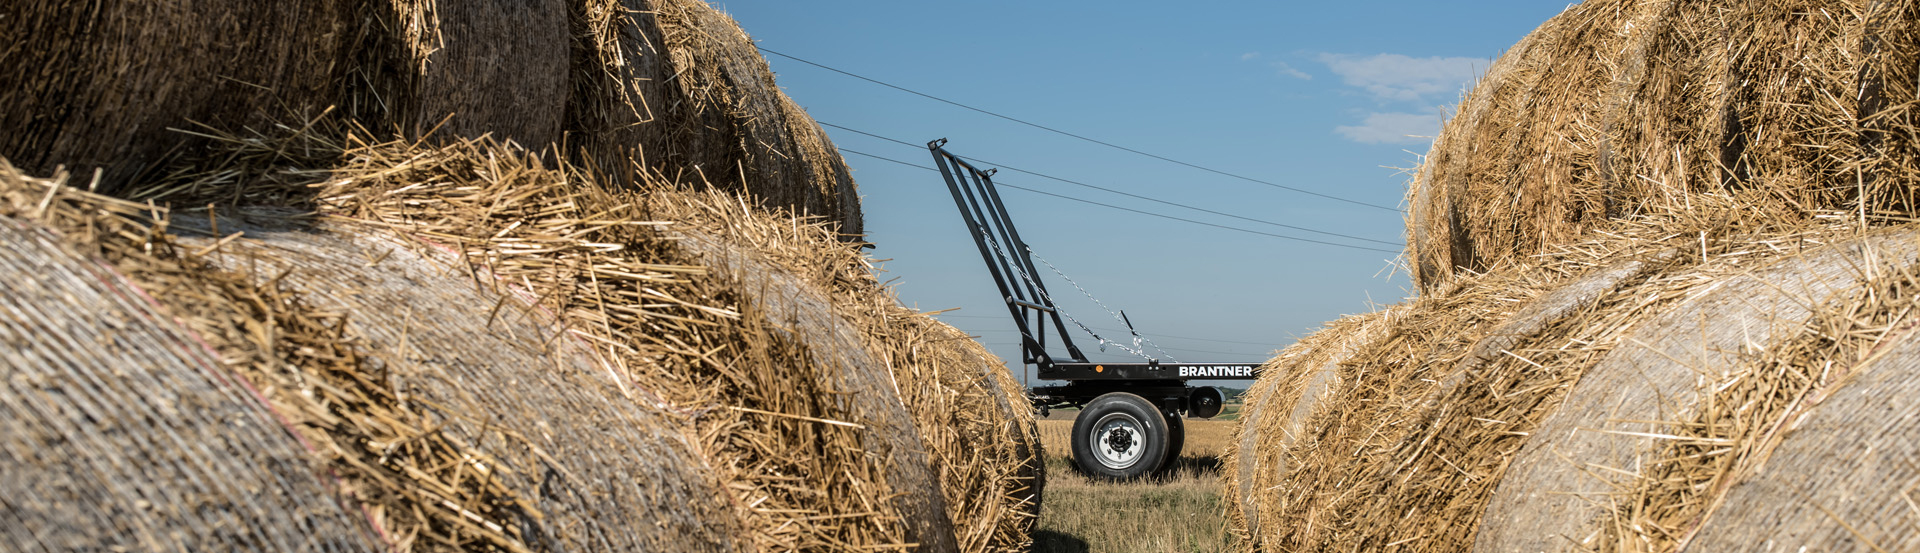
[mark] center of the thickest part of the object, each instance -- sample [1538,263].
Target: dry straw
[973,417]
[811,385]
[1626,108]
[1276,406]
[624,88]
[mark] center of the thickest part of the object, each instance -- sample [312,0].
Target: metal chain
[1137,338]
[1042,290]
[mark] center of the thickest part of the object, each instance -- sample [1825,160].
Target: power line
[1156,334]
[1123,193]
[1131,210]
[1110,329]
[1017,344]
[1065,133]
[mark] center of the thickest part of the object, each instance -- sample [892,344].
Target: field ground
[1179,511]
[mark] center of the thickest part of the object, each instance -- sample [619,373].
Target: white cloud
[1289,71]
[1280,67]
[1392,128]
[1395,77]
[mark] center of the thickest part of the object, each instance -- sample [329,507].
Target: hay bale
[836,348]
[1366,410]
[592,460]
[1612,412]
[680,87]
[665,86]
[972,416]
[1682,194]
[467,69]
[1619,109]
[98,86]
[120,429]
[1843,478]
[1290,387]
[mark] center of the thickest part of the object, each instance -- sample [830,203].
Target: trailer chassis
[1130,420]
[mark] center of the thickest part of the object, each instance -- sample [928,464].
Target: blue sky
[1317,96]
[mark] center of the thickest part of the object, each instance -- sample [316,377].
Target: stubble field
[1178,511]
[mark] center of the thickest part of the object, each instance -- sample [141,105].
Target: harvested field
[1178,511]
[1664,255]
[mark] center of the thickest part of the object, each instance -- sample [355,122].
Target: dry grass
[1178,511]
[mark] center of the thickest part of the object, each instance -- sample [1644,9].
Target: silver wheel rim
[1118,441]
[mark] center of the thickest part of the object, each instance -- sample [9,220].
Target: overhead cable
[1123,193]
[1072,135]
[1131,210]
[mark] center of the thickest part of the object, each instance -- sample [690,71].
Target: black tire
[1176,440]
[1119,436]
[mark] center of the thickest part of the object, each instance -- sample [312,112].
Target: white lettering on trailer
[1245,371]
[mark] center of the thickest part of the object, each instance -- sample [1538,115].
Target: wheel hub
[1118,441]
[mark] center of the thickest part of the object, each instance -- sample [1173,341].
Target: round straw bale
[677,87]
[1623,108]
[977,423]
[1290,386]
[973,417]
[851,370]
[100,86]
[1608,422]
[121,430]
[598,462]
[620,87]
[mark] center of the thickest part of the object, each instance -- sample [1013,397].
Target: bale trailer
[1129,423]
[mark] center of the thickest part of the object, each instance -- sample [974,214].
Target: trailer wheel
[1176,440]
[1119,436]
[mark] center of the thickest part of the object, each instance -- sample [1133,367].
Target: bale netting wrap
[623,87]
[1760,458]
[590,460]
[1636,108]
[121,430]
[1608,423]
[1289,387]
[1843,477]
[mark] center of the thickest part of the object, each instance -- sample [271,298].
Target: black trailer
[1130,418]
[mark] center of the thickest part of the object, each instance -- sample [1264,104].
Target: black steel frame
[986,216]
[987,220]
